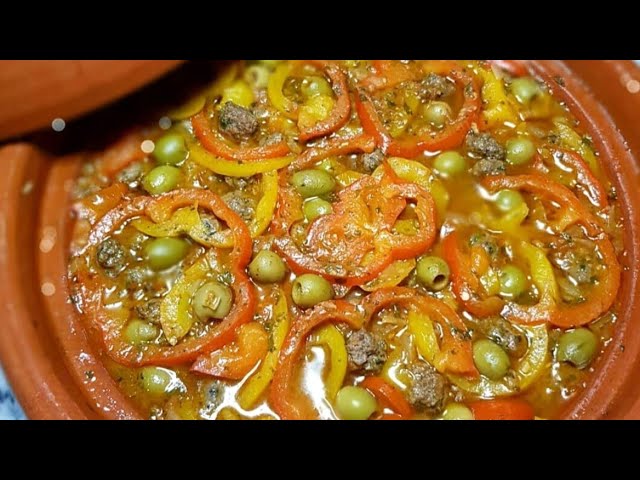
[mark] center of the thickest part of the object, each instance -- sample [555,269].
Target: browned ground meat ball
[111,255]
[150,310]
[366,351]
[271,139]
[489,152]
[577,263]
[371,161]
[239,183]
[435,86]
[135,277]
[484,145]
[427,391]
[237,121]
[241,203]
[488,166]
[506,335]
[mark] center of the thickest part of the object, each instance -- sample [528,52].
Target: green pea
[170,149]
[520,150]
[257,76]
[457,411]
[437,113]
[512,280]
[450,163]
[138,332]
[212,300]
[525,89]
[355,403]
[314,86]
[433,272]
[491,360]
[314,207]
[267,267]
[508,200]
[309,289]
[577,347]
[161,179]
[162,253]
[313,183]
[156,380]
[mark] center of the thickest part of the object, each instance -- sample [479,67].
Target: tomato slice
[356,242]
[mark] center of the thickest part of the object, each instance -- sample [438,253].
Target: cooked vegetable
[315,207]
[520,150]
[212,300]
[355,403]
[491,360]
[578,347]
[155,381]
[513,281]
[161,179]
[449,163]
[313,183]
[170,149]
[267,267]
[433,272]
[163,253]
[309,289]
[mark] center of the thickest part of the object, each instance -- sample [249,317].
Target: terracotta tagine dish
[61,252]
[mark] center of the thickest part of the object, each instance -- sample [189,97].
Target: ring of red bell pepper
[602,295]
[338,117]
[464,283]
[287,401]
[215,143]
[340,112]
[409,147]
[584,177]
[364,215]
[289,208]
[160,208]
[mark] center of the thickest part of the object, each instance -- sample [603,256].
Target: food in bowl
[354,240]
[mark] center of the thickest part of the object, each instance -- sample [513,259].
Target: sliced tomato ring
[356,242]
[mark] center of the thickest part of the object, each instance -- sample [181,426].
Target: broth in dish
[353,240]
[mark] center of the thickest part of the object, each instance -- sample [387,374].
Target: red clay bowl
[57,374]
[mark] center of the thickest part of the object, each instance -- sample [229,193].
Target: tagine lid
[37,93]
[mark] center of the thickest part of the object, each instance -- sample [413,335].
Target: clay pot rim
[44,391]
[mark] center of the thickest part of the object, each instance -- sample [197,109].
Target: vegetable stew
[353,240]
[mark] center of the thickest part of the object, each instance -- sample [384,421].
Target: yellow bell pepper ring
[233,168]
[527,371]
[257,384]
